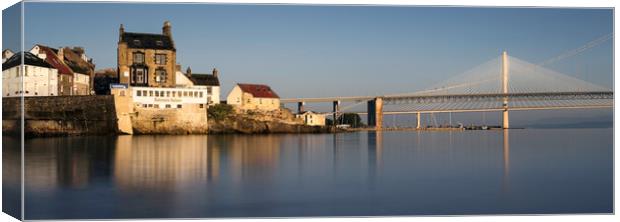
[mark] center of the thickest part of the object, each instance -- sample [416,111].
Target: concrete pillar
[335,109]
[418,118]
[378,113]
[505,65]
[372,120]
[300,107]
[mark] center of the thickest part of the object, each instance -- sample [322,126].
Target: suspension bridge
[502,84]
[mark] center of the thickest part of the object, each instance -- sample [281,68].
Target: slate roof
[258,90]
[147,41]
[204,79]
[29,59]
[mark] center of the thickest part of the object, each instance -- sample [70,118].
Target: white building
[6,54]
[40,78]
[163,98]
[208,82]
[311,118]
[253,97]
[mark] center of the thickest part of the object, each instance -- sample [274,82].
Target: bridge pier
[375,113]
[300,107]
[335,110]
[418,118]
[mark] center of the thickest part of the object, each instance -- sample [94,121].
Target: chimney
[188,72]
[166,30]
[215,72]
[121,31]
[61,53]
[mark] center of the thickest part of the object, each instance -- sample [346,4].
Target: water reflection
[364,173]
[506,159]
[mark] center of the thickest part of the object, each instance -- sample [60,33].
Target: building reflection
[162,162]
[375,152]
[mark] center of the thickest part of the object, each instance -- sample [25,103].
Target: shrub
[219,111]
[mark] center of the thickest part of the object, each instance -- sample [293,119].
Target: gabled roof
[29,59]
[147,41]
[75,62]
[52,58]
[258,90]
[204,79]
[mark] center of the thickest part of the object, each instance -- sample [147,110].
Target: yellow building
[253,96]
[146,59]
[311,118]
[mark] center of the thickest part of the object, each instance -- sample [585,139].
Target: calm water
[365,173]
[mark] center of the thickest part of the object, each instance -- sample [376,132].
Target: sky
[315,51]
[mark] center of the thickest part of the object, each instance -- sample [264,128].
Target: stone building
[40,79]
[145,59]
[253,96]
[83,69]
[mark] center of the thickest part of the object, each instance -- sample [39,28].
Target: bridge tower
[505,120]
[375,113]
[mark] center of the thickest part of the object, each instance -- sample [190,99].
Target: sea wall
[60,115]
[188,120]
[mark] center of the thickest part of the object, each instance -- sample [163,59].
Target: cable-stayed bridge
[502,84]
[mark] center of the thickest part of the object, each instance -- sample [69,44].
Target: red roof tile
[52,59]
[259,91]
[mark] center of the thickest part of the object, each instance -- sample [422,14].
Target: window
[139,75]
[174,93]
[209,89]
[201,94]
[168,106]
[179,94]
[151,105]
[202,105]
[209,100]
[167,93]
[144,105]
[137,42]
[159,43]
[156,93]
[160,75]
[151,93]
[185,94]
[139,93]
[138,58]
[160,59]
[143,92]
[179,106]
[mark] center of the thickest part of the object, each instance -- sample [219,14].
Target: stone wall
[61,115]
[188,120]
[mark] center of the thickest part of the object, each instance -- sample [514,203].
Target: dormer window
[159,43]
[136,42]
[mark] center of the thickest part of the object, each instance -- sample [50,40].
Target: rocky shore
[256,122]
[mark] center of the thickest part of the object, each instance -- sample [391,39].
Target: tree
[219,111]
[352,119]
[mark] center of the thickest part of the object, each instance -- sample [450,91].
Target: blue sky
[312,51]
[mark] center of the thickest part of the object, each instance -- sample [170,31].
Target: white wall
[38,81]
[167,96]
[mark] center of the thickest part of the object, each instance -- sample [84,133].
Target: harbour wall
[60,115]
